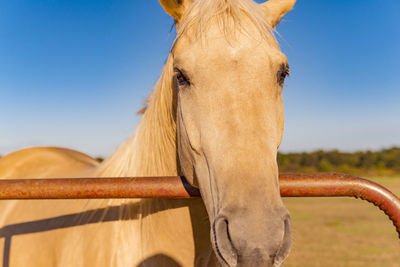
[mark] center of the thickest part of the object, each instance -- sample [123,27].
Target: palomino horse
[216,117]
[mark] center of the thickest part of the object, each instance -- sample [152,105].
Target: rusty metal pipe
[78,188]
[342,185]
[291,185]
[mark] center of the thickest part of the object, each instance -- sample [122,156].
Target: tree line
[383,162]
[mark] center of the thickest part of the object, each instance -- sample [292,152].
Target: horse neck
[152,150]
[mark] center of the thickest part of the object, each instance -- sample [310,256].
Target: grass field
[343,232]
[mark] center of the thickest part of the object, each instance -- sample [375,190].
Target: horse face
[229,127]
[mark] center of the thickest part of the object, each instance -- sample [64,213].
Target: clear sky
[74,72]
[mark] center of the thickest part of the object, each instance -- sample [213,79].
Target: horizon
[300,152]
[74,73]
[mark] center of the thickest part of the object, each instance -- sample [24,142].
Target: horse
[215,116]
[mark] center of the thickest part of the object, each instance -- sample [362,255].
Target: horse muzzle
[240,242]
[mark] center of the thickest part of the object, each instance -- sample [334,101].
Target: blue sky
[73,73]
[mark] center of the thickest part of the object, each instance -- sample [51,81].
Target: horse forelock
[229,14]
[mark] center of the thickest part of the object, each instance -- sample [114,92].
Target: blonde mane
[152,150]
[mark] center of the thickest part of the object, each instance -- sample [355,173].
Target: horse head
[228,77]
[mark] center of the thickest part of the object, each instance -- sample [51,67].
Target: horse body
[95,232]
[220,128]
[47,162]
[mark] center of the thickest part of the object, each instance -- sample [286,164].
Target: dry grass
[342,232]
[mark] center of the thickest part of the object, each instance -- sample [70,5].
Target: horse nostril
[222,241]
[285,246]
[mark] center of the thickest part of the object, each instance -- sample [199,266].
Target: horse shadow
[166,260]
[108,214]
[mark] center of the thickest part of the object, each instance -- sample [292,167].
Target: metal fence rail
[291,185]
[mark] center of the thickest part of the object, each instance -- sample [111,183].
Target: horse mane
[152,150]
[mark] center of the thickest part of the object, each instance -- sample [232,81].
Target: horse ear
[275,9]
[175,8]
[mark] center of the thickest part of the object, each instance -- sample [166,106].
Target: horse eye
[181,78]
[282,73]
